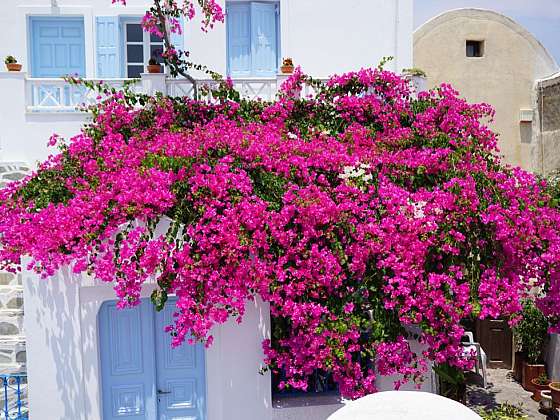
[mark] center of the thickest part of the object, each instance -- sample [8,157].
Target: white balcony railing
[252,88]
[57,95]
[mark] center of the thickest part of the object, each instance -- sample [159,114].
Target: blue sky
[540,17]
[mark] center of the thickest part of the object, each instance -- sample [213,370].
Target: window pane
[135,53]
[134,71]
[134,32]
[155,51]
[475,48]
[155,38]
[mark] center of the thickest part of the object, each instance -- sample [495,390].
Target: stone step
[11,298]
[11,324]
[10,369]
[10,279]
[12,351]
[11,312]
[12,171]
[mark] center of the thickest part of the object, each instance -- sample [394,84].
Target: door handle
[160,392]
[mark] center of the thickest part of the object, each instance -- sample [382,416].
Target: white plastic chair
[468,348]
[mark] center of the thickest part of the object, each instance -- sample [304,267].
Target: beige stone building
[490,58]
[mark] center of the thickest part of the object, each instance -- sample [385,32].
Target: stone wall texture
[12,334]
[550,97]
[547,125]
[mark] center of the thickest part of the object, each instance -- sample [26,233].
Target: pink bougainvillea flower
[360,214]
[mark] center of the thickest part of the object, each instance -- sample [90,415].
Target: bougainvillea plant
[356,214]
[165,17]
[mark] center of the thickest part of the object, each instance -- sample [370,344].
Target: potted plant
[153,66]
[12,64]
[555,392]
[531,333]
[287,66]
[503,412]
[452,382]
[415,71]
[540,384]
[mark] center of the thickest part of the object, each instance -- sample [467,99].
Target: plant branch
[164,30]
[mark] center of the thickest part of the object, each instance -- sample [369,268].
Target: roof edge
[446,16]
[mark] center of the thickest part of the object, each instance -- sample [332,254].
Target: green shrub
[531,332]
[504,412]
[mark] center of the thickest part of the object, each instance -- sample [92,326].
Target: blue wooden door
[57,46]
[126,343]
[181,383]
[143,377]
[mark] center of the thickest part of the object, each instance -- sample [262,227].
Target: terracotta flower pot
[286,69]
[537,388]
[13,66]
[531,372]
[555,392]
[154,68]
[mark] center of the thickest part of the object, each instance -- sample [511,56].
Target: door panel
[57,46]
[239,39]
[181,373]
[127,362]
[107,44]
[136,355]
[495,337]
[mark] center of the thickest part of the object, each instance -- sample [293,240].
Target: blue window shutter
[107,41]
[239,39]
[178,39]
[57,46]
[263,39]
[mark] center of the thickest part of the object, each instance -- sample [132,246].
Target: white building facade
[84,359]
[89,361]
[98,40]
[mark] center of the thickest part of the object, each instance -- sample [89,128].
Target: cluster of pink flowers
[150,23]
[358,215]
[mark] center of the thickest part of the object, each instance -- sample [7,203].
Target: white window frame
[146,44]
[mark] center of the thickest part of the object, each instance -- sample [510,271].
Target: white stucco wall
[24,135]
[61,316]
[63,358]
[325,37]
[331,36]
[14,20]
